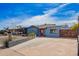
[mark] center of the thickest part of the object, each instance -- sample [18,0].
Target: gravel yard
[48,46]
[44,47]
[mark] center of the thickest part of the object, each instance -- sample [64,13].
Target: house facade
[46,30]
[51,32]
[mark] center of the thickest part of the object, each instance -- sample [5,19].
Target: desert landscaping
[43,46]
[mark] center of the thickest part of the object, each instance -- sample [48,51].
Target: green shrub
[2,31]
[31,35]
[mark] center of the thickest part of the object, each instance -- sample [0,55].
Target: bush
[31,35]
[2,31]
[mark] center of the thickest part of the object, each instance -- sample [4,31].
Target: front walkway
[44,47]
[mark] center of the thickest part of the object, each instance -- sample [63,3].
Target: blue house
[54,31]
[46,30]
[33,29]
[51,32]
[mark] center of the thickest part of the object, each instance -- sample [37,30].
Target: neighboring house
[18,31]
[33,29]
[25,31]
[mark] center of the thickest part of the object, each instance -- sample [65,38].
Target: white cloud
[43,19]
[11,23]
[70,21]
[38,20]
[53,11]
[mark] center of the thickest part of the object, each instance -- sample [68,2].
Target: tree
[75,27]
[2,31]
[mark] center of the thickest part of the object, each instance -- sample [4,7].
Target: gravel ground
[48,47]
[43,47]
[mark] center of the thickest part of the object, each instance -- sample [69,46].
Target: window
[52,30]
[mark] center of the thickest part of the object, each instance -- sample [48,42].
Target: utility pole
[78,35]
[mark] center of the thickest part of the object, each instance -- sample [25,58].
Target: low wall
[15,42]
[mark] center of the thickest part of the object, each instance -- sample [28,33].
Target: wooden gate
[68,33]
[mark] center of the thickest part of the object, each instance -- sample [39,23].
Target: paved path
[44,47]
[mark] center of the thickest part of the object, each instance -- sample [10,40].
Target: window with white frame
[52,30]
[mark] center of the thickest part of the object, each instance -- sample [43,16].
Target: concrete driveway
[44,47]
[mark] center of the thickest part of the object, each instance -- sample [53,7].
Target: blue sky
[26,14]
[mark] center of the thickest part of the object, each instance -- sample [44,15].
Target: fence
[68,33]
